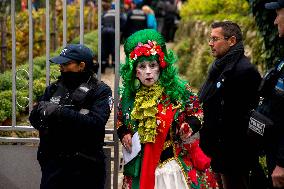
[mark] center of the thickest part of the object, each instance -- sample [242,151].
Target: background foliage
[192,36]
[39,78]
[39,36]
[264,19]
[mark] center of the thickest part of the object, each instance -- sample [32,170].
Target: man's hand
[127,142]
[47,108]
[278,177]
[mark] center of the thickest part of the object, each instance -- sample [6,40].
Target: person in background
[71,117]
[23,5]
[108,37]
[171,15]
[136,20]
[160,13]
[160,114]
[227,96]
[35,5]
[151,19]
[126,6]
[272,106]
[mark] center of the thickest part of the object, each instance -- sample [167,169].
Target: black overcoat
[226,112]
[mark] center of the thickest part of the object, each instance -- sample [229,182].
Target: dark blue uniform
[272,106]
[136,20]
[71,142]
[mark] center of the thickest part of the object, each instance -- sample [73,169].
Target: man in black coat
[71,117]
[228,95]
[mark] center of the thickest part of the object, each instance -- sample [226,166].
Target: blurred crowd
[161,15]
[135,15]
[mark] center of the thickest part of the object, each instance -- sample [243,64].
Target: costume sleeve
[121,127]
[192,114]
[194,161]
[189,123]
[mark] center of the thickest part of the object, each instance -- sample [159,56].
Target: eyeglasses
[214,39]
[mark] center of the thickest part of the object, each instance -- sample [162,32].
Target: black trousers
[73,173]
[108,45]
[235,181]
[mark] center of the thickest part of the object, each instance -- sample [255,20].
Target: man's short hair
[230,29]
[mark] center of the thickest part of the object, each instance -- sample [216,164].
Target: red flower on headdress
[148,49]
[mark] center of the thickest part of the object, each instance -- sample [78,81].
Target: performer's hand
[185,131]
[278,177]
[127,142]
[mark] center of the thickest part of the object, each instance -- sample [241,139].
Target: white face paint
[148,72]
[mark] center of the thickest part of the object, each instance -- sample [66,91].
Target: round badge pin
[218,84]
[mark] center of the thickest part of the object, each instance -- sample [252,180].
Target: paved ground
[108,78]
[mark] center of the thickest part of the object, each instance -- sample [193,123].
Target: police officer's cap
[275,5]
[77,52]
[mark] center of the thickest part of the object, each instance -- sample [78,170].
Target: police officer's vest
[136,20]
[266,121]
[108,21]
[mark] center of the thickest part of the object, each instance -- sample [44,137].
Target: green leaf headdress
[148,44]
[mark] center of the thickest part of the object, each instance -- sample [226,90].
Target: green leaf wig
[174,86]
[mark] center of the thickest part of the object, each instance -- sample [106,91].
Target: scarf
[218,67]
[145,110]
[72,80]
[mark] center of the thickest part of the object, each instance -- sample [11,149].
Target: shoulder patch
[110,102]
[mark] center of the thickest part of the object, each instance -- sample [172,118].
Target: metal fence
[113,158]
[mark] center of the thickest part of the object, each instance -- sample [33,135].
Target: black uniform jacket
[76,129]
[273,107]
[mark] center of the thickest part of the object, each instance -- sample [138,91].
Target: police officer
[136,20]
[71,117]
[272,106]
[108,37]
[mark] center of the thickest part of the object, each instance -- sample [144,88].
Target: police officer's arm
[95,120]
[278,172]
[35,117]
[280,153]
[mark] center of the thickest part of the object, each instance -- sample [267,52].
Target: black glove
[46,109]
[79,96]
